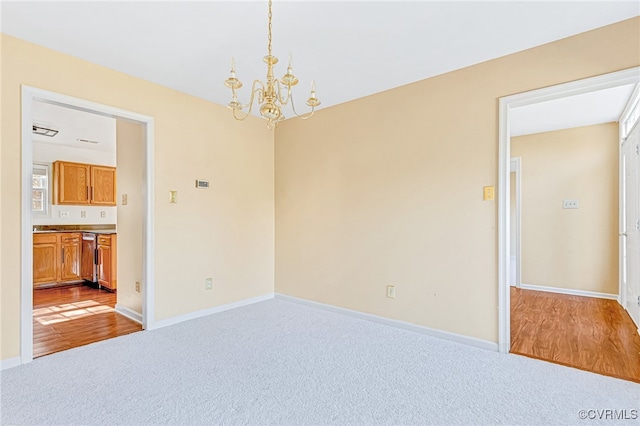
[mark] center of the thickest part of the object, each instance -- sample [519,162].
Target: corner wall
[575,249]
[130,140]
[387,189]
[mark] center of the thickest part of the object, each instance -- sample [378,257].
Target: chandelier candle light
[269,94]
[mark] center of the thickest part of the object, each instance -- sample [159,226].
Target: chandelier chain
[270,27]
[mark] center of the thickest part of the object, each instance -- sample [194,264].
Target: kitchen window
[40,189]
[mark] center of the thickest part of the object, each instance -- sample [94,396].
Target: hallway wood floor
[67,317]
[591,334]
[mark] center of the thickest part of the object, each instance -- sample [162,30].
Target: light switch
[489,193]
[173,197]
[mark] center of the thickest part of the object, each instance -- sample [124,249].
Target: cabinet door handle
[87,193]
[92,193]
[62,254]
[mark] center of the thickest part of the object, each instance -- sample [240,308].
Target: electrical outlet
[83,214]
[137,287]
[208,284]
[173,197]
[63,213]
[638,300]
[391,291]
[103,213]
[125,199]
[570,204]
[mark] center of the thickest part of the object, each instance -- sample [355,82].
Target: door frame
[29,95]
[506,104]
[623,133]
[515,166]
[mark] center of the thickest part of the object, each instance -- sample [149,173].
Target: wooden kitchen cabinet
[45,258]
[103,186]
[83,184]
[107,261]
[56,258]
[71,250]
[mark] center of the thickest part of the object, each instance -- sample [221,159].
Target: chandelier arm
[246,114]
[283,101]
[304,116]
[254,90]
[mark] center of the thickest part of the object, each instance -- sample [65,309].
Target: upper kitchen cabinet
[84,184]
[103,185]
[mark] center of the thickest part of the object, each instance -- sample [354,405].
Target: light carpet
[278,362]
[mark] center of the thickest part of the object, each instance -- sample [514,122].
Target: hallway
[588,333]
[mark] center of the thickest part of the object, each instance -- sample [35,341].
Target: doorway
[29,96]
[506,107]
[630,208]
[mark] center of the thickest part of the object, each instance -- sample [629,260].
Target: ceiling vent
[44,131]
[87,141]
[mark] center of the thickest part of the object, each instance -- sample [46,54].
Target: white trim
[622,246]
[632,103]
[209,311]
[440,334]
[504,250]
[614,79]
[30,94]
[10,363]
[26,284]
[623,132]
[148,277]
[569,291]
[515,165]
[129,313]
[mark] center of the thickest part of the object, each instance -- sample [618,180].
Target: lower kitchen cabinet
[71,250]
[56,258]
[107,255]
[45,258]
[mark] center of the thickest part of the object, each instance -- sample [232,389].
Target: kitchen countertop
[79,231]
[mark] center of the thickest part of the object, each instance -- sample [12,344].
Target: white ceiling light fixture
[269,94]
[44,131]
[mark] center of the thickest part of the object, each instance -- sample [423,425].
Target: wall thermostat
[202,184]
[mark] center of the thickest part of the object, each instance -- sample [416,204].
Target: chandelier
[269,94]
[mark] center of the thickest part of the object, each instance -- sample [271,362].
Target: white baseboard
[441,334]
[569,291]
[10,363]
[129,313]
[209,311]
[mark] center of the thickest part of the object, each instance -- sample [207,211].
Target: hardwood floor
[591,334]
[67,317]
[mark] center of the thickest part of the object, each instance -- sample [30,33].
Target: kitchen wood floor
[72,316]
[588,333]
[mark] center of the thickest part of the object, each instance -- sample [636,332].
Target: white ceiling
[73,125]
[351,48]
[602,106]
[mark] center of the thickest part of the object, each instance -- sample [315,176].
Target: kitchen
[75,238]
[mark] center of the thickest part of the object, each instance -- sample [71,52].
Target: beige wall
[567,248]
[387,189]
[130,160]
[225,232]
